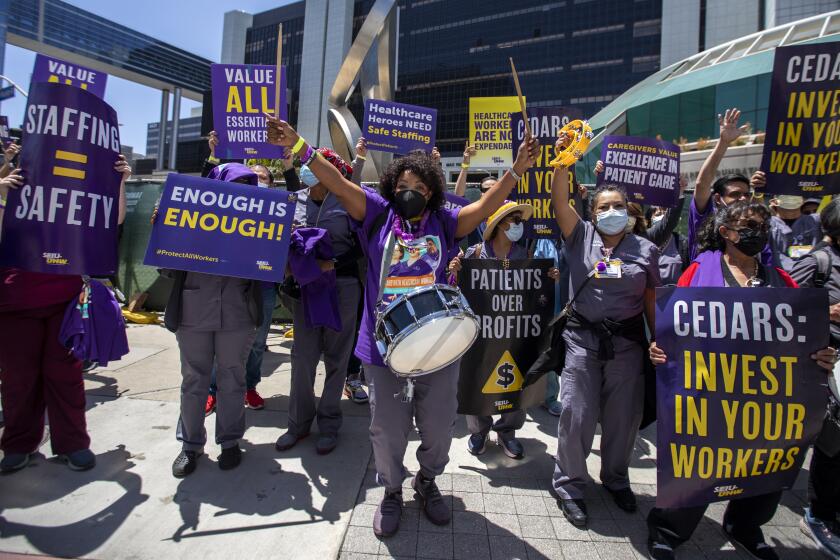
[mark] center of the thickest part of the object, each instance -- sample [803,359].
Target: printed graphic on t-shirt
[413,265]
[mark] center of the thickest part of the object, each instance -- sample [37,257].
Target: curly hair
[709,237]
[422,165]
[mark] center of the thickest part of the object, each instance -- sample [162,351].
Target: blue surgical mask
[263,185]
[307,177]
[515,231]
[612,221]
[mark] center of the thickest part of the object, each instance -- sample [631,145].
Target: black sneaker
[755,545]
[575,511]
[512,447]
[433,504]
[81,460]
[624,499]
[185,463]
[826,534]
[14,462]
[386,520]
[230,458]
[287,441]
[659,550]
[477,444]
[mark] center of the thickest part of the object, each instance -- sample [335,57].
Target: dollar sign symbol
[506,377]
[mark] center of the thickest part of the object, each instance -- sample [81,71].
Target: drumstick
[278,70]
[521,99]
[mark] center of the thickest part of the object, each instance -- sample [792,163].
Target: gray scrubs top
[805,231]
[670,263]
[331,216]
[215,303]
[612,298]
[803,272]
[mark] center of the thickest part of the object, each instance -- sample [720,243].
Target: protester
[37,373]
[729,246]
[821,269]
[792,233]
[709,194]
[214,319]
[605,335]
[504,229]
[411,202]
[311,341]
[253,365]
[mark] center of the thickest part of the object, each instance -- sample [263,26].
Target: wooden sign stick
[521,99]
[278,71]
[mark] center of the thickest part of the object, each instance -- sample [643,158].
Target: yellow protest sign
[490,130]
[505,377]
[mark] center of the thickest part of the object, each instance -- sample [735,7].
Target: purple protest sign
[4,131]
[398,128]
[56,71]
[222,228]
[739,400]
[241,94]
[803,133]
[535,186]
[63,220]
[648,169]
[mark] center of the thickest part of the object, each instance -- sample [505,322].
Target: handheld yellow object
[581,134]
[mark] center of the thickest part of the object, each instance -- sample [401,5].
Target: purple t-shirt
[440,229]
[695,222]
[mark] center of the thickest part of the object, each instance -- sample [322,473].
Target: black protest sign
[514,302]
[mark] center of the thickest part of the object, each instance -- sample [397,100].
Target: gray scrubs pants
[592,391]
[309,345]
[434,409]
[198,349]
[505,426]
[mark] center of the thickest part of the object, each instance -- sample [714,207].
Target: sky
[193,25]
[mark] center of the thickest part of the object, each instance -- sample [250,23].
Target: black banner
[514,304]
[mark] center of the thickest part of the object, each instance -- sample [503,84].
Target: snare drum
[425,330]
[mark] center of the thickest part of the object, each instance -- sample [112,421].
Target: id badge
[799,251]
[608,269]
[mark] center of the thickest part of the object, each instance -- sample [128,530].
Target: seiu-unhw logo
[731,490]
[263,265]
[54,258]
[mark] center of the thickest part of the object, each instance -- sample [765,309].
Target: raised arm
[9,153]
[122,167]
[729,132]
[358,164]
[350,195]
[661,232]
[461,183]
[473,214]
[566,216]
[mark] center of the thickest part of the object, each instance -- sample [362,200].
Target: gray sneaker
[826,534]
[433,503]
[386,520]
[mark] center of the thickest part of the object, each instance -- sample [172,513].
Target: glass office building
[75,30]
[581,53]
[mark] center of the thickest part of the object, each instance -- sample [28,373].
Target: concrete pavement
[300,505]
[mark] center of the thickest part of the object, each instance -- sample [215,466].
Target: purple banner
[740,399]
[801,154]
[63,220]
[453,201]
[398,128]
[535,186]
[222,228]
[648,169]
[5,135]
[241,94]
[56,71]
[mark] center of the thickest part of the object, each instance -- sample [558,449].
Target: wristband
[299,144]
[214,160]
[465,166]
[363,158]
[515,175]
[308,156]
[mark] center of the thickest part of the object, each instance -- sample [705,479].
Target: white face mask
[612,221]
[656,219]
[263,185]
[515,231]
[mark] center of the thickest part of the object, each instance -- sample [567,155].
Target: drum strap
[390,245]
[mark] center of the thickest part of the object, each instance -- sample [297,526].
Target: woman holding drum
[613,274]
[407,212]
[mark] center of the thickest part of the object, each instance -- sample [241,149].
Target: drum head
[433,345]
[834,381]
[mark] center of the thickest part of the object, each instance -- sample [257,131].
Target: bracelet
[515,175]
[213,159]
[363,158]
[465,166]
[308,156]
[299,144]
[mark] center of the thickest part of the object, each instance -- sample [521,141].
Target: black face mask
[409,204]
[752,241]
